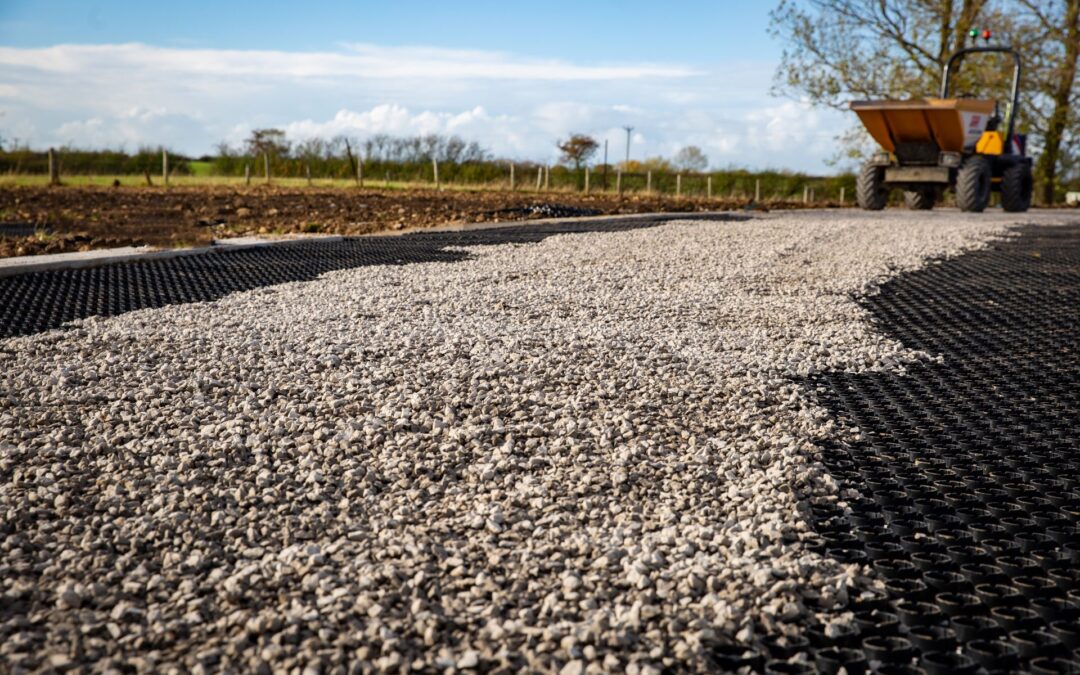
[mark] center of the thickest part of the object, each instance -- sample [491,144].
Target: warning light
[973,33]
[986,35]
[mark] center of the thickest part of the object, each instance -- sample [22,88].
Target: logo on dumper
[975,119]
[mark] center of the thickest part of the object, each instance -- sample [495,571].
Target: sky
[516,77]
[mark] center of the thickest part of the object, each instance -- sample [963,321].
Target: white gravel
[585,454]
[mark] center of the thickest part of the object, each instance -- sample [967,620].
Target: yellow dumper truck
[933,144]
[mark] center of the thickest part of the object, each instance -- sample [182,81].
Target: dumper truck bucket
[954,125]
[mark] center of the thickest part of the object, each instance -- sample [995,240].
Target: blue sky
[689,32]
[514,76]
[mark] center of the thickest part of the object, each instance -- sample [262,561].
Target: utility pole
[629,130]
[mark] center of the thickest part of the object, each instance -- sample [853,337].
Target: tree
[837,50]
[691,158]
[578,149]
[1054,31]
[654,164]
[422,149]
[311,149]
[269,141]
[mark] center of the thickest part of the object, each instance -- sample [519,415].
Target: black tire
[1016,186]
[920,200]
[870,190]
[973,184]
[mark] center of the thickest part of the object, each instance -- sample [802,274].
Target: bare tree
[835,49]
[422,149]
[691,158]
[311,149]
[269,141]
[225,150]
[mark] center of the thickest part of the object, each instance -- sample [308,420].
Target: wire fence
[161,168]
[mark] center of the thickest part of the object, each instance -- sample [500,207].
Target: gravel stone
[585,454]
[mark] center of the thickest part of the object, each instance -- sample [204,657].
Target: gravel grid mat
[21,229]
[964,488]
[33,303]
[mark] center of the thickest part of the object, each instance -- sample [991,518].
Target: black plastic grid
[969,471]
[31,303]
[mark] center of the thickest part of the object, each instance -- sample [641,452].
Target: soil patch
[84,218]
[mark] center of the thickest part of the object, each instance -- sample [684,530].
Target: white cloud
[393,119]
[89,129]
[366,61]
[189,99]
[561,117]
[778,126]
[129,129]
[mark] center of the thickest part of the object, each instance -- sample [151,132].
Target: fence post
[805,193]
[648,181]
[618,182]
[547,178]
[247,173]
[757,190]
[165,166]
[842,195]
[512,186]
[811,194]
[435,169]
[605,165]
[586,180]
[539,177]
[307,172]
[678,185]
[54,168]
[266,166]
[708,187]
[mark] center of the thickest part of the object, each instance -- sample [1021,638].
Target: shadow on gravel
[970,469]
[36,302]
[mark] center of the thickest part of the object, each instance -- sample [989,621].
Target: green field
[199,168]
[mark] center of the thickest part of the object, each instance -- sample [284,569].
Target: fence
[741,185]
[72,162]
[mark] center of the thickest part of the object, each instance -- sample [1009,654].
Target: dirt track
[82,218]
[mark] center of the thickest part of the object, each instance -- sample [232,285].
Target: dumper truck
[953,142]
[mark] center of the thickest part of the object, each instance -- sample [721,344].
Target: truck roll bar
[1000,49]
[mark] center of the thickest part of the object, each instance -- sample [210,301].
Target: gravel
[547,211]
[586,454]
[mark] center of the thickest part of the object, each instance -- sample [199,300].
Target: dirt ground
[83,218]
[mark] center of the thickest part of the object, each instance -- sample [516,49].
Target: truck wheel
[870,190]
[1016,188]
[973,184]
[920,200]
